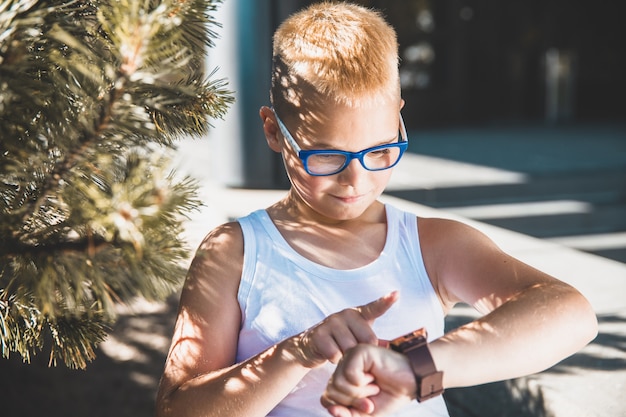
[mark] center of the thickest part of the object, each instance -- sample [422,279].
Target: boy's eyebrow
[315,145]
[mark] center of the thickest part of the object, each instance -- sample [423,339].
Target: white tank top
[282,294]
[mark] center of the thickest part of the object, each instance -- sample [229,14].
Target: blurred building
[474,61]
[464,62]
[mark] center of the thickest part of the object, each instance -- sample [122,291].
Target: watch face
[409,340]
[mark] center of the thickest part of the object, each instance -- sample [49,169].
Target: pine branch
[89,93]
[73,336]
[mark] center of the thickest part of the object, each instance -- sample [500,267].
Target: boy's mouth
[349,199]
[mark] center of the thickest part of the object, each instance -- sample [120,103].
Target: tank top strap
[250,228]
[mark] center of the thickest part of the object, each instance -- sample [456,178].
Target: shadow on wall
[120,382]
[515,398]
[523,397]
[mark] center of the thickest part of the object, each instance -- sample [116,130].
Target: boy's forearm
[250,388]
[527,334]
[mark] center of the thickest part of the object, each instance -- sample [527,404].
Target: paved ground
[122,380]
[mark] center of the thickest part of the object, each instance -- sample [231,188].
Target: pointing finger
[377,308]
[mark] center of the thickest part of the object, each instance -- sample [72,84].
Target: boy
[268,306]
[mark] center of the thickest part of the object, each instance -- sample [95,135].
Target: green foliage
[92,95]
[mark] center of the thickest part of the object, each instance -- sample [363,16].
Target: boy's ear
[402,103]
[270,129]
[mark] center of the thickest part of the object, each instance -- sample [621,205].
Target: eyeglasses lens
[374,160]
[381,158]
[324,164]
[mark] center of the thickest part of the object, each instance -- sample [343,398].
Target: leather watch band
[415,346]
[430,381]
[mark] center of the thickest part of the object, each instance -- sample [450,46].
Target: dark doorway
[467,62]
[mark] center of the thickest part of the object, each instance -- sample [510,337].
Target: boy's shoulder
[225,233]
[223,243]
[217,264]
[445,231]
[440,223]
[445,239]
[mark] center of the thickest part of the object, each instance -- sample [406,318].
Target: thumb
[383,343]
[377,308]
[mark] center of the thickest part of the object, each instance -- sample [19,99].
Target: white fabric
[282,293]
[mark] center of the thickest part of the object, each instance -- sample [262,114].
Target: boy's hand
[329,339]
[369,381]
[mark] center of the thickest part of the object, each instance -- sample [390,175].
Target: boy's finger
[383,343]
[377,308]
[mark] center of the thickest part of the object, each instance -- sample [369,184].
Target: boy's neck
[293,210]
[346,244]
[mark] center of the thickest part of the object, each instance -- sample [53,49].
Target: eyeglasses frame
[303,155]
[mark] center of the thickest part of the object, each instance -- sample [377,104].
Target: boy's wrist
[414,346]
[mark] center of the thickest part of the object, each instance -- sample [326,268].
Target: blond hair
[338,51]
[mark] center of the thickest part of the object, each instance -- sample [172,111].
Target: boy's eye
[329,156]
[327,159]
[379,153]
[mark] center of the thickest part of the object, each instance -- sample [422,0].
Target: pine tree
[91,215]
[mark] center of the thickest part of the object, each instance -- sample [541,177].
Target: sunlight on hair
[342,51]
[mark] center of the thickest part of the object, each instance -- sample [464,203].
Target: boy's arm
[201,376]
[531,320]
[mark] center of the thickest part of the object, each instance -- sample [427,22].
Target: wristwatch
[415,346]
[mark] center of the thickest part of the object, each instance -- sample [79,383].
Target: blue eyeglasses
[324,162]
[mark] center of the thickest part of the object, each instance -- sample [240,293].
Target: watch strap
[429,380]
[415,346]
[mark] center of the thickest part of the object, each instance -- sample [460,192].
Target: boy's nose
[352,172]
